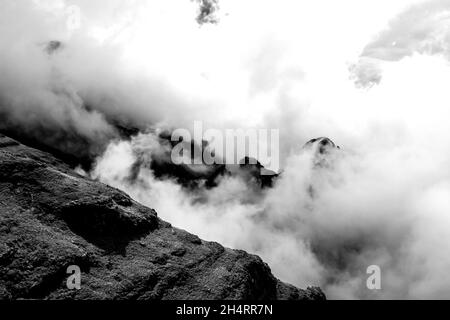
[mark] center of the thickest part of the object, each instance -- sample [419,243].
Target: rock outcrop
[51,218]
[324,151]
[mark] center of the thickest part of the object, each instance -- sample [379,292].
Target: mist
[371,76]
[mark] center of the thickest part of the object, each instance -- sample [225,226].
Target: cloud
[72,97]
[373,206]
[423,28]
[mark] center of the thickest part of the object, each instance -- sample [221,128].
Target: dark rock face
[195,176]
[322,145]
[51,218]
[256,171]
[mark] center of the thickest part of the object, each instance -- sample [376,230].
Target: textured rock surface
[51,218]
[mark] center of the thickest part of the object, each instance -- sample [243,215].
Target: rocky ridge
[51,218]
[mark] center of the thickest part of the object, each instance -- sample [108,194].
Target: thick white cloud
[423,28]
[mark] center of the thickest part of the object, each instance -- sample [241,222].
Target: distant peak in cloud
[322,144]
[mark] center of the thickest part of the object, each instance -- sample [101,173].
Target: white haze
[371,75]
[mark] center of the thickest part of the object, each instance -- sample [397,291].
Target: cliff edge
[51,218]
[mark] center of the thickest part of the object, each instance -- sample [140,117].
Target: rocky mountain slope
[51,218]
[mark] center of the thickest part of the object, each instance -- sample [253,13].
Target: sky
[370,75]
